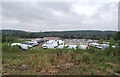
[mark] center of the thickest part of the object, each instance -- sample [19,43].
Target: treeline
[80,34]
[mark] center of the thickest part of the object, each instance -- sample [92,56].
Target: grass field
[59,62]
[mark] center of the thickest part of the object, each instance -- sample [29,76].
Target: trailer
[94,44]
[83,46]
[23,45]
[33,43]
[14,44]
[50,45]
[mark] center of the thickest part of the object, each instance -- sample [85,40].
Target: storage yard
[60,57]
[62,38]
[56,42]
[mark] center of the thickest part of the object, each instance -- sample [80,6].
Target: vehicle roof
[25,43]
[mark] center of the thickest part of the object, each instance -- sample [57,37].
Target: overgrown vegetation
[90,61]
[59,61]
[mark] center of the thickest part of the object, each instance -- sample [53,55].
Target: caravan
[51,44]
[83,46]
[33,43]
[94,44]
[39,40]
[22,45]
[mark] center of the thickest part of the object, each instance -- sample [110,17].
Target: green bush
[108,51]
[101,41]
[31,50]
[64,49]
[78,50]
[85,58]
[6,46]
[72,49]
[15,48]
[91,50]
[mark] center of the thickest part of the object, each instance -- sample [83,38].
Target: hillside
[96,34]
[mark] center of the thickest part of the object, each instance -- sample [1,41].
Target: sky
[60,16]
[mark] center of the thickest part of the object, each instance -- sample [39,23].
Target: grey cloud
[36,16]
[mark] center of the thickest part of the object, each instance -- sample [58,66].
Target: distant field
[58,62]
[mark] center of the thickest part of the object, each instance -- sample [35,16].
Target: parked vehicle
[61,42]
[50,44]
[33,43]
[60,46]
[23,45]
[14,44]
[27,43]
[99,46]
[103,46]
[39,40]
[72,46]
[83,46]
[94,44]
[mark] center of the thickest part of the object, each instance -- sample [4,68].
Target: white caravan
[14,44]
[39,40]
[51,44]
[22,45]
[94,44]
[61,42]
[83,46]
[33,43]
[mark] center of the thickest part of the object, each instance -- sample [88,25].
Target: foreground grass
[58,62]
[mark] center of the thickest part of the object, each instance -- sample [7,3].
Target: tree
[108,36]
[94,37]
[101,41]
[117,36]
[111,42]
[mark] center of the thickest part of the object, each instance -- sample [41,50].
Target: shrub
[85,58]
[5,46]
[101,41]
[65,50]
[15,48]
[78,50]
[91,50]
[111,42]
[73,56]
[78,58]
[92,72]
[72,49]
[108,51]
[81,71]
[32,50]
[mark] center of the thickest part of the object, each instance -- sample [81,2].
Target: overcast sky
[57,16]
